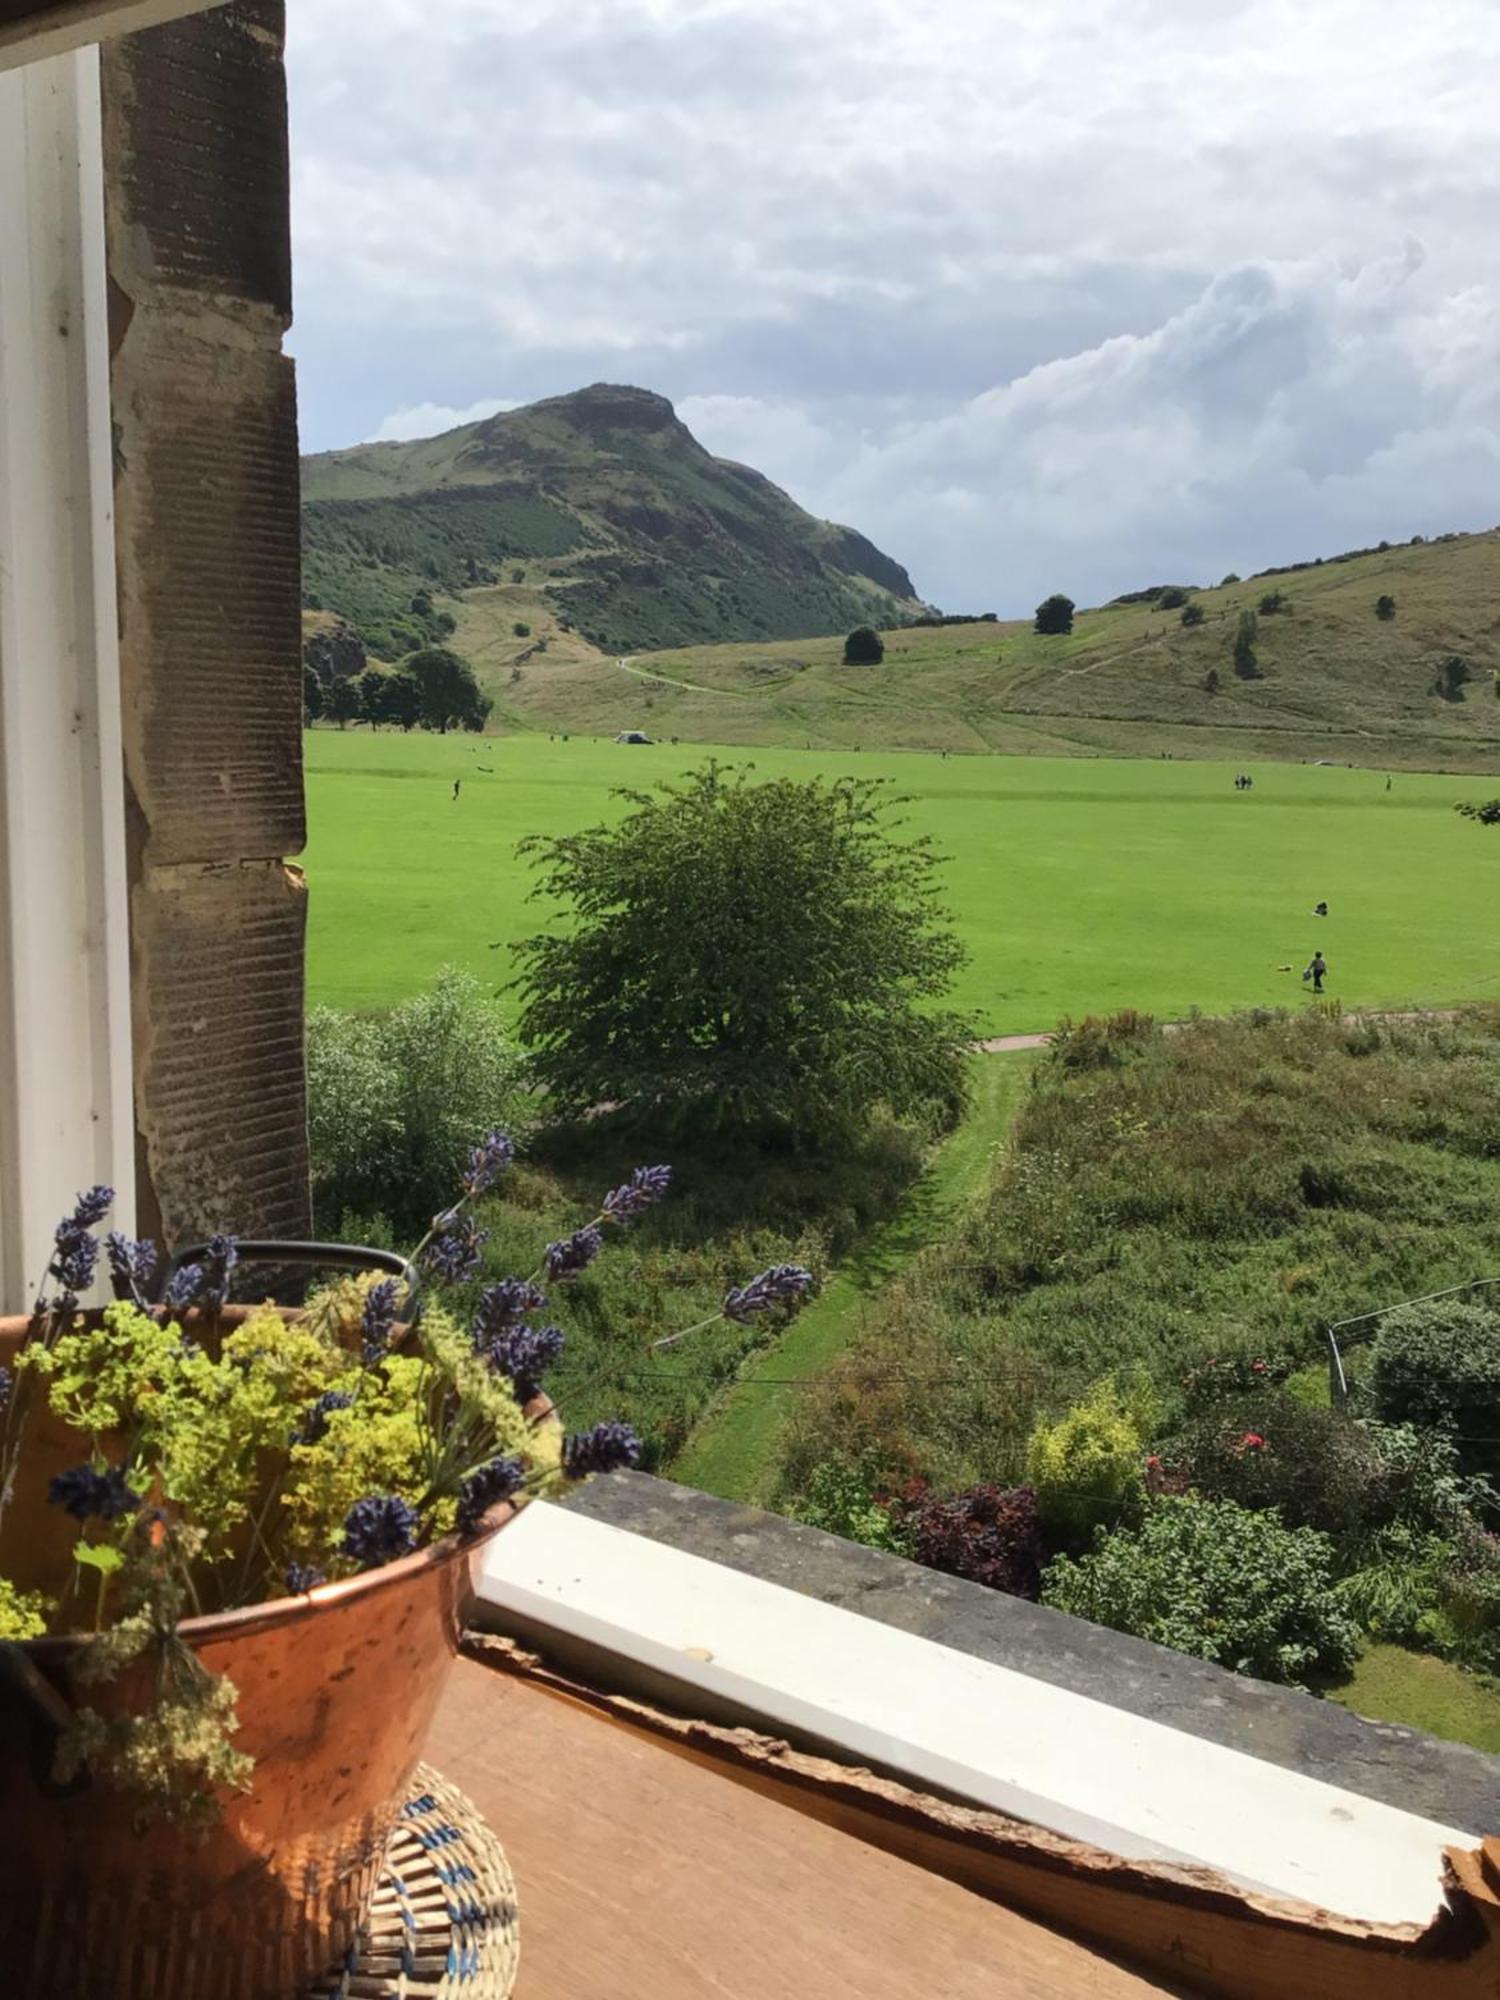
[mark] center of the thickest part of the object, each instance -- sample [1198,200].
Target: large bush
[1209,1578]
[746,958]
[1054,614]
[988,1534]
[395,1102]
[1439,1364]
[1088,1469]
[864,647]
[1269,1449]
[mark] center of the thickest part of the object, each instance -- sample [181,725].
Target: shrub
[1385,606]
[394,1102]
[1452,675]
[1209,1578]
[1098,1041]
[1465,1627]
[1245,662]
[521,629]
[1172,598]
[1229,577]
[864,647]
[841,1500]
[1088,1468]
[1192,614]
[1393,1592]
[1318,1468]
[1211,681]
[1438,1364]
[1271,603]
[988,1534]
[1054,614]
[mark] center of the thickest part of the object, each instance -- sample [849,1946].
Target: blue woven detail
[437,1836]
[454,1873]
[408,1961]
[396,1883]
[414,1808]
[407,1918]
[468,1913]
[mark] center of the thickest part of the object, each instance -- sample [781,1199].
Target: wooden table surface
[645,1876]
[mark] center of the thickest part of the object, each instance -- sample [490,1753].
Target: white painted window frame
[66,1113]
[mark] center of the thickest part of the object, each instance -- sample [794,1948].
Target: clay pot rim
[245,1619]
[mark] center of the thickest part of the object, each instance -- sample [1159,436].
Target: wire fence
[1338,1380]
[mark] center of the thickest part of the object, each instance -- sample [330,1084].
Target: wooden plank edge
[1190,1924]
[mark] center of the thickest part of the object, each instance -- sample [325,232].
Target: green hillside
[1332,680]
[605,510]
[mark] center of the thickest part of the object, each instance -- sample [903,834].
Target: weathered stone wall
[207,537]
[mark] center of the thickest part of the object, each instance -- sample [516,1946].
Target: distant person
[457,786]
[1320,909]
[1317,971]
[1388,781]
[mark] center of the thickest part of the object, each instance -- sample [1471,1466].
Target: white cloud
[1126,263]
[428,419]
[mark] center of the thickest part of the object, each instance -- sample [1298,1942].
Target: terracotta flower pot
[336,1691]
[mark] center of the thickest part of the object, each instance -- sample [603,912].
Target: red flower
[1251,1441]
[1257,1367]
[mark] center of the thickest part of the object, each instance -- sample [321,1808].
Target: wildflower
[379,1528]
[91,1208]
[487,1162]
[483,1489]
[220,1255]
[1153,1461]
[86,1493]
[783,1284]
[503,1305]
[300,1578]
[454,1252]
[1252,1441]
[566,1259]
[314,1425]
[524,1353]
[75,1254]
[132,1263]
[377,1322]
[603,1449]
[645,1186]
[183,1287]
[1257,1367]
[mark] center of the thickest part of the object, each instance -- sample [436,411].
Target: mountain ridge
[603,499]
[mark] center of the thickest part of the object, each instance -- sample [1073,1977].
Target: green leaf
[99,1555]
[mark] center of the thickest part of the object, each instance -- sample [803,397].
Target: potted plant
[235,1550]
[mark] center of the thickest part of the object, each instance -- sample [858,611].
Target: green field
[1078,886]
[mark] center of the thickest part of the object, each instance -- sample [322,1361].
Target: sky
[1077,297]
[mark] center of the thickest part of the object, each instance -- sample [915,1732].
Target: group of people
[1243,782]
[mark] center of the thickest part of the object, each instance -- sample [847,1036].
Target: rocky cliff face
[332,649]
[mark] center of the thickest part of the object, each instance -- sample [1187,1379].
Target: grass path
[735,1449]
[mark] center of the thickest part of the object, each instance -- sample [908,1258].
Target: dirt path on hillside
[1000,1045]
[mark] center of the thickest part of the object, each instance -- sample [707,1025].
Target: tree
[450,693]
[864,647]
[521,629]
[1451,675]
[751,957]
[1385,606]
[1192,614]
[1172,598]
[370,687]
[312,694]
[401,699]
[1211,681]
[1054,614]
[1245,663]
[1271,603]
[1232,577]
[344,704]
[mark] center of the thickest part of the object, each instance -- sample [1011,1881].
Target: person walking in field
[1317,971]
[457,786]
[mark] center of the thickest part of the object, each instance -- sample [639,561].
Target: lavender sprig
[75,1253]
[605,1448]
[314,1425]
[504,1305]
[487,1162]
[301,1578]
[493,1482]
[783,1284]
[133,1264]
[88,1494]
[453,1252]
[565,1259]
[646,1186]
[377,1322]
[524,1354]
[379,1528]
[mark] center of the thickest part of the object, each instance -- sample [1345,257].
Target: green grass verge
[734,1449]
[1392,1685]
[1077,887]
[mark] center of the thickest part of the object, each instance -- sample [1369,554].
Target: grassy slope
[1391,1685]
[734,1449]
[1338,683]
[1077,887]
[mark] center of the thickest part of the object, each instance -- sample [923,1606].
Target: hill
[1331,679]
[599,510]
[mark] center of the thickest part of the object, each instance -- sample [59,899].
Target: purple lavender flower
[90,1209]
[377,1322]
[75,1254]
[132,1263]
[783,1284]
[379,1528]
[454,1253]
[7,1383]
[487,1162]
[502,1305]
[300,1578]
[566,1259]
[183,1287]
[314,1425]
[220,1255]
[524,1354]
[645,1186]
[480,1491]
[88,1494]
[603,1449]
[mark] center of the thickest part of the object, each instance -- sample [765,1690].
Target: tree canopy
[1055,614]
[745,956]
[864,647]
[451,697]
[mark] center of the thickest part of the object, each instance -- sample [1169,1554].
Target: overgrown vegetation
[1132,1325]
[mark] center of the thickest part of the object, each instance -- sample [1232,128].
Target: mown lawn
[1078,885]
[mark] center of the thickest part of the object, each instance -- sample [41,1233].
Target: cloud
[1110,240]
[429,419]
